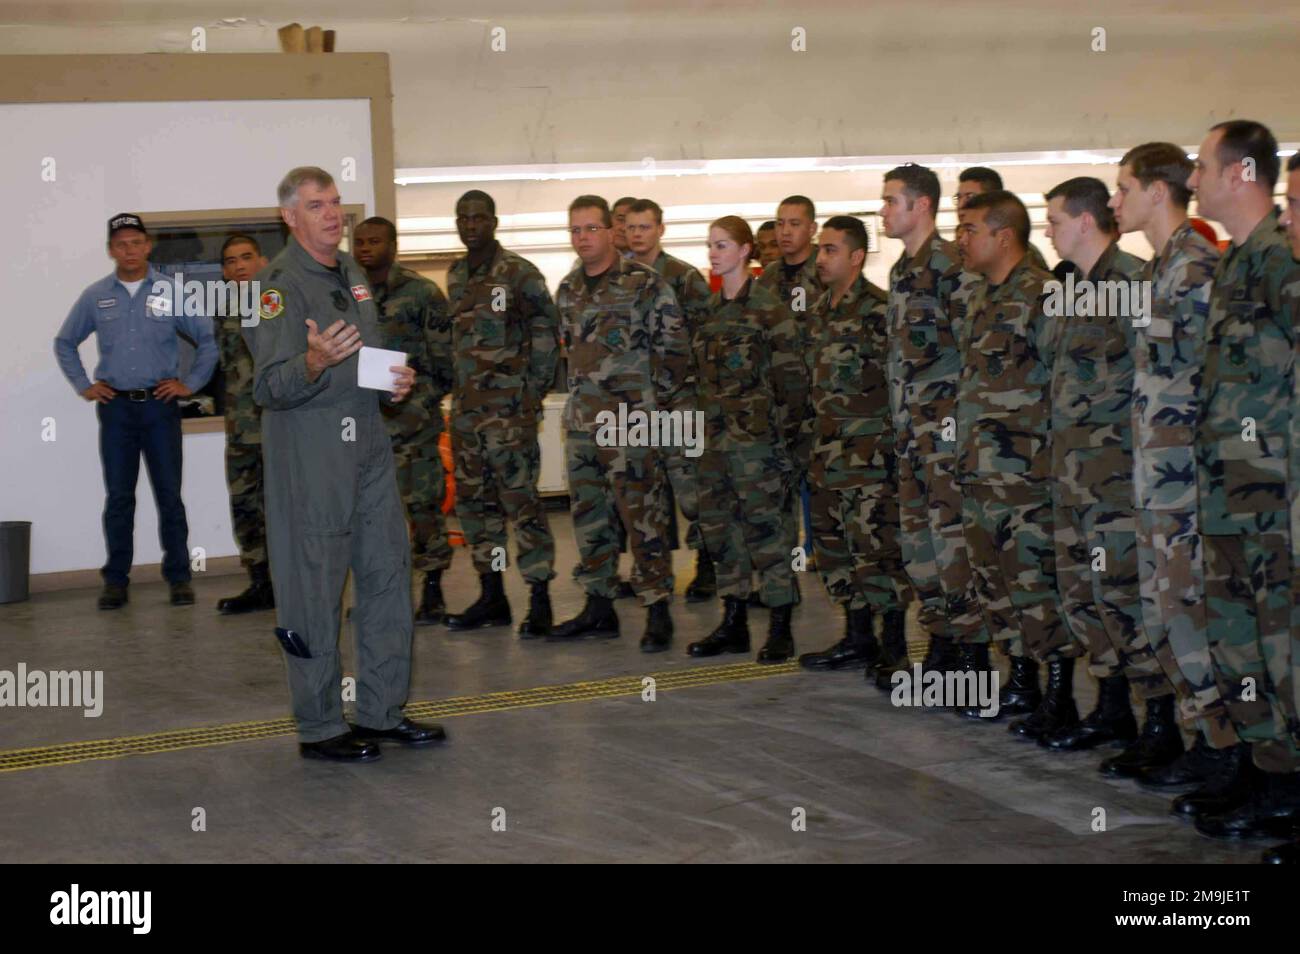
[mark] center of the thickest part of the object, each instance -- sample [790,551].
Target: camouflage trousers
[1008,533]
[859,556]
[628,481]
[682,478]
[496,480]
[1171,572]
[933,546]
[746,524]
[1248,623]
[422,485]
[1097,577]
[247,513]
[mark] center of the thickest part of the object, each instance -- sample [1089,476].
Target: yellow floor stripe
[175,740]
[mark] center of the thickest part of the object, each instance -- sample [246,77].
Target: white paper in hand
[373,365]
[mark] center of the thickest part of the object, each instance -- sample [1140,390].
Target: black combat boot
[1227,789]
[1111,720]
[537,623]
[258,596]
[940,656]
[1021,693]
[730,636]
[1159,744]
[490,609]
[432,609]
[1193,767]
[974,658]
[1057,710]
[893,654]
[596,621]
[780,643]
[1272,809]
[857,648]
[658,628]
[705,585]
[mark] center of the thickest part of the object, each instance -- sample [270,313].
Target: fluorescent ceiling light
[650,168]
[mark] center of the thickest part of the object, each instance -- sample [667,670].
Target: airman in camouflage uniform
[644,227]
[1004,451]
[852,467]
[795,281]
[1092,467]
[413,319]
[241,259]
[1244,452]
[627,345]
[506,345]
[753,390]
[927,308]
[1168,356]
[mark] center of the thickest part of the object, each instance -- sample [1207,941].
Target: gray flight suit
[331,499]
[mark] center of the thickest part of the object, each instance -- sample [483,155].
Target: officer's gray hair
[287,192]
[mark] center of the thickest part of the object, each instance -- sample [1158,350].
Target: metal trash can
[15,560]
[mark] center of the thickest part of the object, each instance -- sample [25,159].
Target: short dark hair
[593,202]
[918,182]
[1293,163]
[1247,139]
[771,223]
[1163,161]
[1005,211]
[478,195]
[648,205]
[383,223]
[626,200]
[239,238]
[989,180]
[1085,194]
[851,227]
[803,200]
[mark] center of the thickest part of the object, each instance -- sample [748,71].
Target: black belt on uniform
[139,394]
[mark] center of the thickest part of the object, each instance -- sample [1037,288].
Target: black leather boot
[705,585]
[974,658]
[537,623]
[780,643]
[490,609]
[1225,790]
[1272,809]
[1111,720]
[1057,710]
[857,648]
[432,609]
[1021,693]
[596,621]
[1160,743]
[940,656]
[658,628]
[1193,767]
[893,656]
[258,596]
[730,636]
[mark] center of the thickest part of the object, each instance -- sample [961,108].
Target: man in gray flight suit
[331,487]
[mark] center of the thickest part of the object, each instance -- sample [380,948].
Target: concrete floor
[711,773]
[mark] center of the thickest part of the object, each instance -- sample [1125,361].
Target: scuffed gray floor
[713,773]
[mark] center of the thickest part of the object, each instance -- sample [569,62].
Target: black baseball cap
[126,220]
